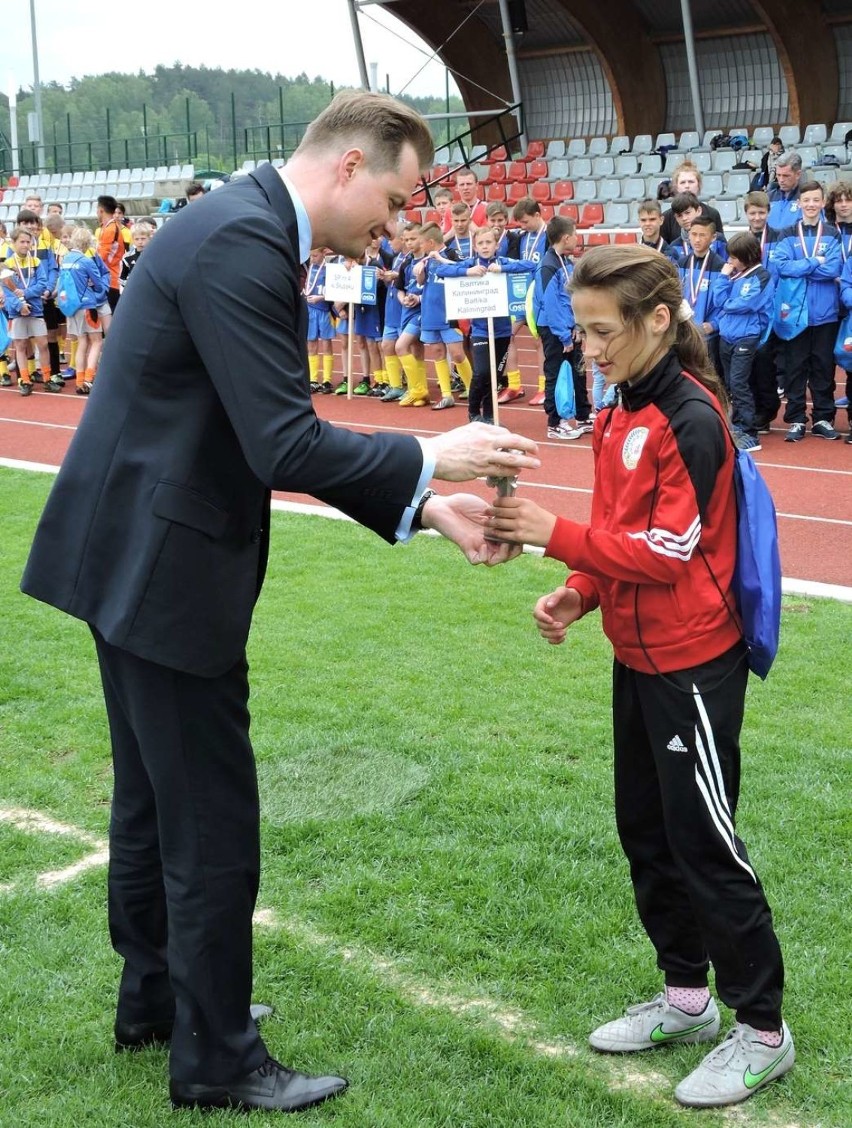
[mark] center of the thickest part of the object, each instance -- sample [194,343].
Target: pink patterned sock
[691,1000]
[770,1037]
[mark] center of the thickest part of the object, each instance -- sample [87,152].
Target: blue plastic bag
[5,338]
[67,296]
[843,344]
[564,391]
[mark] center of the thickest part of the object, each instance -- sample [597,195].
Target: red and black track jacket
[663,517]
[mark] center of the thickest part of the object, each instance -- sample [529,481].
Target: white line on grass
[34,822]
[812,588]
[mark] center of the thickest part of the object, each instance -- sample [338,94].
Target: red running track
[811,481]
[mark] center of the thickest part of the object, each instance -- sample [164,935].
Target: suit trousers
[184,859]
[677,774]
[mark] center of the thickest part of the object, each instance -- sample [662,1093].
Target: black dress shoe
[272,1086]
[132,1036]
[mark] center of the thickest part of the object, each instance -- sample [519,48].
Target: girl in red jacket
[657,556]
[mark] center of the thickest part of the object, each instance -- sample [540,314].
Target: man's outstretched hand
[478,450]
[462,518]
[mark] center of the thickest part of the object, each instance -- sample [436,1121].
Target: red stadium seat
[626,237]
[547,212]
[538,170]
[535,151]
[518,190]
[432,215]
[496,173]
[496,192]
[418,199]
[438,173]
[498,154]
[600,239]
[569,211]
[413,215]
[563,190]
[517,171]
[591,214]
[541,192]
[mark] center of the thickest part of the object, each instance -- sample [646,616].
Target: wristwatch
[417,519]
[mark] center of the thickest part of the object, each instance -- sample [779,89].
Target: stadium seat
[591,214]
[709,134]
[603,166]
[518,190]
[569,211]
[711,186]
[497,154]
[173,172]
[619,144]
[815,135]
[809,155]
[702,161]
[537,169]
[688,141]
[517,171]
[581,168]
[650,163]
[563,190]
[633,188]
[442,156]
[559,169]
[738,131]
[789,135]
[598,146]
[728,211]
[642,143]
[609,189]
[497,173]
[627,165]
[496,193]
[667,139]
[723,160]
[598,239]
[535,151]
[585,190]
[737,184]
[838,151]
[540,192]
[616,215]
[555,150]
[627,238]
[418,198]
[762,135]
[838,132]
[576,147]
[546,212]
[478,153]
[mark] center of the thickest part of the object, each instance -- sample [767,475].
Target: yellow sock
[4,367]
[31,366]
[394,371]
[379,376]
[514,379]
[466,372]
[411,367]
[73,362]
[313,366]
[541,382]
[442,372]
[327,367]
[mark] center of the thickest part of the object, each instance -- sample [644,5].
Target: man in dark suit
[156,535]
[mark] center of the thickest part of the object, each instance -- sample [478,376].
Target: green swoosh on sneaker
[752,1080]
[660,1035]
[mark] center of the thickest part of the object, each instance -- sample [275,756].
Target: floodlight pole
[512,60]
[13,127]
[359,45]
[695,88]
[37,90]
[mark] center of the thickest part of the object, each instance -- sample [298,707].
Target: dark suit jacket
[156,530]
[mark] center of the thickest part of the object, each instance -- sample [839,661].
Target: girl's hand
[554,613]
[520,521]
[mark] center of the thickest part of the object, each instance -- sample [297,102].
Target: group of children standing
[59,285]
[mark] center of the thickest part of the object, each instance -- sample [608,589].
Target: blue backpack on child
[67,296]
[5,338]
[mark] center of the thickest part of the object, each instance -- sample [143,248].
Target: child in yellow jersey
[5,251]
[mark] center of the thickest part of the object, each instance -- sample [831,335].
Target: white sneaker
[563,431]
[649,1025]
[736,1069]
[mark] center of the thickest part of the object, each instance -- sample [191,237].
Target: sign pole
[349,337]
[492,364]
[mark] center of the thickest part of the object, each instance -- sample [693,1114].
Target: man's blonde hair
[376,123]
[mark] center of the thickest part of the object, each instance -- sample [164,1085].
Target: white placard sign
[343,284]
[486,296]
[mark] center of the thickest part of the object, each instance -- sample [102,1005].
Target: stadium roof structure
[584,67]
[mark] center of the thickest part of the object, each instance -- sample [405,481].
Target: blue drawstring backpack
[5,338]
[843,344]
[791,308]
[67,297]
[564,391]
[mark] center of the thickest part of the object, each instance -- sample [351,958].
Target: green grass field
[446,911]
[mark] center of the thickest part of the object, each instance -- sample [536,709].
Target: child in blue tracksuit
[743,297]
[554,318]
[698,272]
[838,210]
[811,250]
[24,295]
[846,301]
[485,260]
